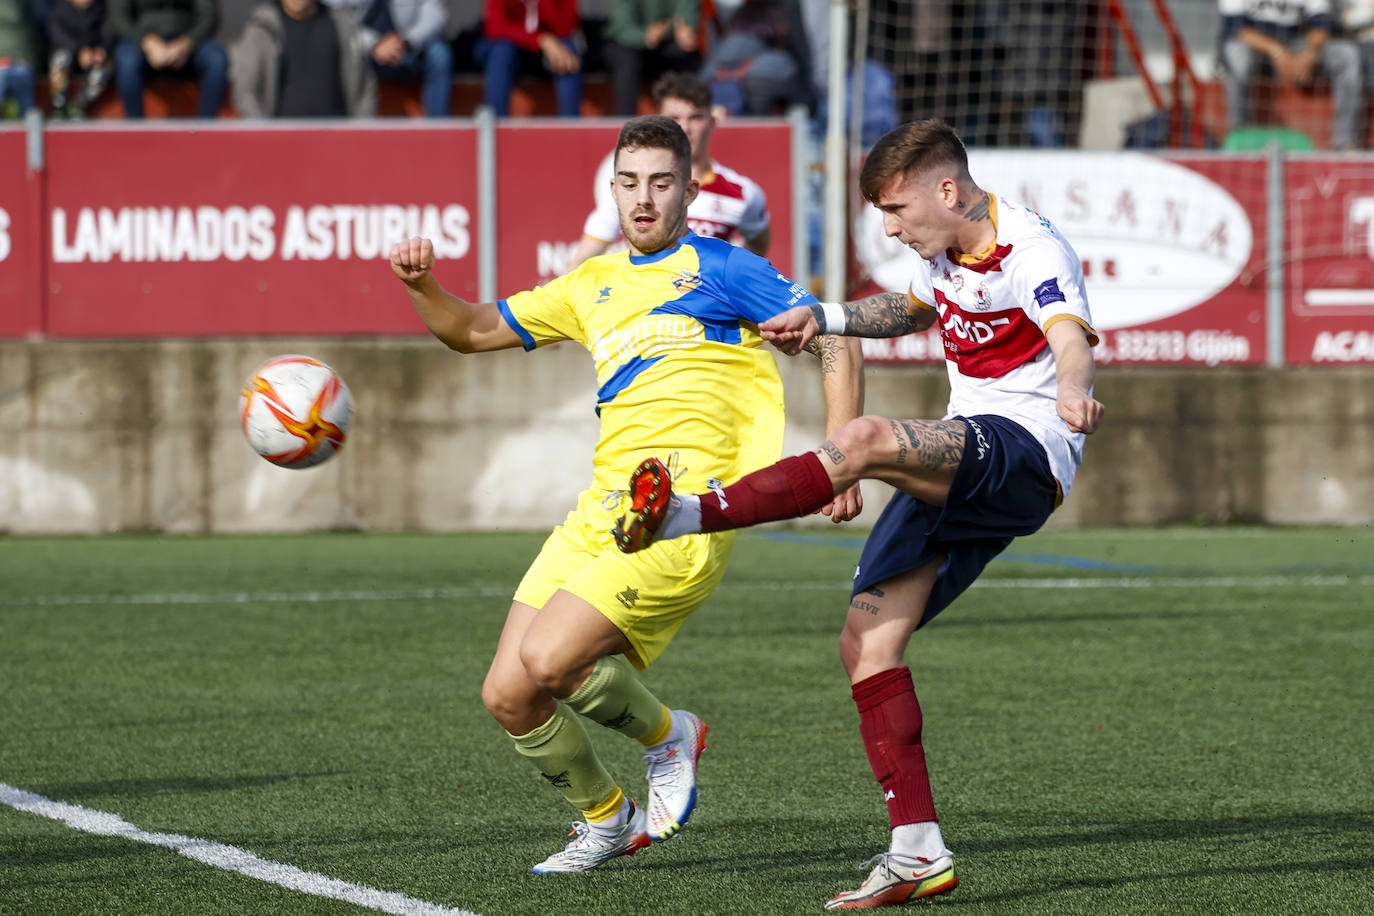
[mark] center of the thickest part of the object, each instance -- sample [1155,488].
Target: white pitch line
[496,591]
[228,858]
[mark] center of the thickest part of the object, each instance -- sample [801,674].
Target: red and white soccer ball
[295,411]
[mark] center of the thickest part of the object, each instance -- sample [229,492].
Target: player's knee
[548,669]
[862,440]
[500,701]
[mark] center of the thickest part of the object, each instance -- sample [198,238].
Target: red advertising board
[546,175]
[1329,262]
[226,231]
[21,307]
[1172,251]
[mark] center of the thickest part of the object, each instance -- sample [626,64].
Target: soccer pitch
[1117,721]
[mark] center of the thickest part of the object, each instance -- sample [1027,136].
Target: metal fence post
[486,204]
[1275,212]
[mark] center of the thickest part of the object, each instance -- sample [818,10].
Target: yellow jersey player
[672,326]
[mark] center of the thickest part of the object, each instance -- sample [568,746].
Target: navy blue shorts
[1002,489]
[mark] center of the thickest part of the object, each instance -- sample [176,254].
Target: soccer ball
[295,411]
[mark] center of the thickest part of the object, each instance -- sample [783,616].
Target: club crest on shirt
[686,281]
[957,282]
[984,302]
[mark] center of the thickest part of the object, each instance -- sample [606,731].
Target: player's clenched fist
[412,259]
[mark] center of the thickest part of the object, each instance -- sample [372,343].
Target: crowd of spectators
[326,58]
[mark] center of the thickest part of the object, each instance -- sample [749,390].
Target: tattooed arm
[842,374]
[883,315]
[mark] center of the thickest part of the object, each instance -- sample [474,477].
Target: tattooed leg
[916,456]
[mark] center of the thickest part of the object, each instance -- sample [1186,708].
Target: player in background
[728,206]
[1007,291]
[672,328]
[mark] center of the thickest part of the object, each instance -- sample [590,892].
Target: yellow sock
[660,734]
[607,809]
[613,696]
[565,757]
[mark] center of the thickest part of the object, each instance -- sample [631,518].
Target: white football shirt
[728,202]
[993,312]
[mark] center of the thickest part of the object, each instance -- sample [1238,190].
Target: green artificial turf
[1117,721]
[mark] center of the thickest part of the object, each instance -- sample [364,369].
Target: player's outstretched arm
[464,326]
[882,315]
[1075,371]
[842,374]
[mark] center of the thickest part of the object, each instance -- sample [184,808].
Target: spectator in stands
[646,38]
[16,58]
[530,34]
[78,43]
[1291,39]
[406,40]
[298,59]
[169,38]
[1358,19]
[1038,99]
[750,70]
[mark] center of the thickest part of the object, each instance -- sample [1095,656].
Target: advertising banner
[546,178]
[1172,251]
[223,231]
[21,313]
[1329,243]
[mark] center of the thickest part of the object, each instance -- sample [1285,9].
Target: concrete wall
[106,436]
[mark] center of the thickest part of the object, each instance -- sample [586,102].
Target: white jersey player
[729,205]
[994,312]
[1007,291]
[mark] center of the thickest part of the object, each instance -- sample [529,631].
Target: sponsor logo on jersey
[985,346]
[1048,292]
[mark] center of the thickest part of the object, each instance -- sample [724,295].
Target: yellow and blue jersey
[680,368]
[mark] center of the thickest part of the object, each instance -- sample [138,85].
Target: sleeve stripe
[515,325]
[1092,335]
[918,302]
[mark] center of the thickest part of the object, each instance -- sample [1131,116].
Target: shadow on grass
[1178,829]
[1051,888]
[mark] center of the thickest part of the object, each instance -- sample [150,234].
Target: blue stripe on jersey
[743,284]
[706,309]
[515,325]
[622,379]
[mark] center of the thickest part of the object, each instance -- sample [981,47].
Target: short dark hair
[916,146]
[657,132]
[677,84]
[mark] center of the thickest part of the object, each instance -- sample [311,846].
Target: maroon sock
[890,723]
[791,488]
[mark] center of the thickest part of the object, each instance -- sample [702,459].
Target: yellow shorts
[647,595]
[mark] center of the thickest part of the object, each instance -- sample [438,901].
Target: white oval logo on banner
[1156,238]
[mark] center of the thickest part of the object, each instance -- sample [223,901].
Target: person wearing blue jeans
[543,36]
[501,64]
[168,37]
[405,39]
[17,54]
